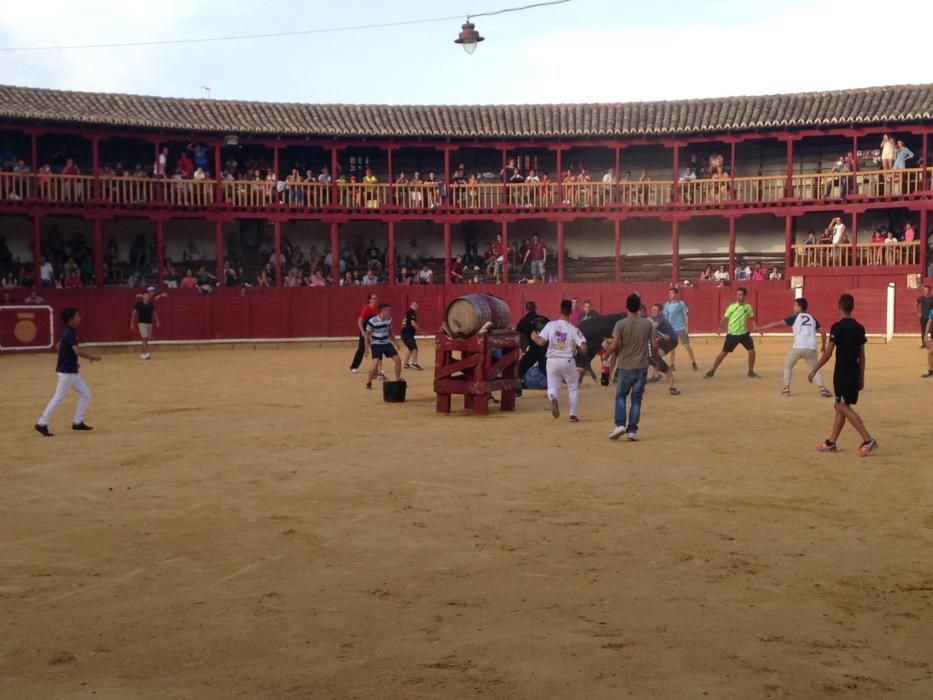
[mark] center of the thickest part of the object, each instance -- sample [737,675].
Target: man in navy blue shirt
[68,378]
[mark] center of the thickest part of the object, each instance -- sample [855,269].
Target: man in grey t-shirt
[630,340]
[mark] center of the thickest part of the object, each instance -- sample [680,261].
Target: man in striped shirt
[381,343]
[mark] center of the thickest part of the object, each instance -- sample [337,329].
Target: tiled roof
[878,105]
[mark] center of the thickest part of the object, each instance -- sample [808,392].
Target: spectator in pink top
[909,233]
[760,273]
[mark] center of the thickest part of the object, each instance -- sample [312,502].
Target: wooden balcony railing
[423,196]
[65,188]
[651,193]
[768,188]
[860,255]
[475,196]
[532,194]
[889,183]
[15,186]
[306,195]
[356,195]
[705,192]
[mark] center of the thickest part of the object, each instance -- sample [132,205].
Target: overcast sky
[582,51]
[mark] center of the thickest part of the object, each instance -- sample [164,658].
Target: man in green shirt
[737,316]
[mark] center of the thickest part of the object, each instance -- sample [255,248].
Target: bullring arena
[246,520]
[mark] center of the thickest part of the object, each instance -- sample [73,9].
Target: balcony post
[617,231]
[854,239]
[36,250]
[335,252]
[560,252]
[732,247]
[277,247]
[95,168]
[925,173]
[447,180]
[218,166]
[788,242]
[219,250]
[675,188]
[854,188]
[732,170]
[98,225]
[924,240]
[160,249]
[447,253]
[390,255]
[391,174]
[559,178]
[35,167]
[334,198]
[505,184]
[276,199]
[505,248]
[675,248]
[789,184]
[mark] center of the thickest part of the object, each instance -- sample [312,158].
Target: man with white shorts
[68,378]
[804,348]
[563,340]
[144,315]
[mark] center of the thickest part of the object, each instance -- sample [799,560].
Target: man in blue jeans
[631,338]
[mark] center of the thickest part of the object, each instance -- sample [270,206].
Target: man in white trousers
[68,378]
[805,328]
[563,340]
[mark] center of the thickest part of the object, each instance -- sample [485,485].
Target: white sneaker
[355,370]
[617,433]
[631,436]
[142,356]
[148,355]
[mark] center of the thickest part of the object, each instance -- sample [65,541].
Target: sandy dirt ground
[252,523]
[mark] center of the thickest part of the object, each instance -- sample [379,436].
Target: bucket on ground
[394,392]
[466,315]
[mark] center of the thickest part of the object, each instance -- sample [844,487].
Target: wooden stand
[477,373]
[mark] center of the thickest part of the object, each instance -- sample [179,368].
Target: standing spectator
[910,235]
[456,270]
[46,273]
[366,313]
[924,307]
[409,328]
[589,312]
[575,311]
[901,155]
[888,150]
[161,162]
[498,257]
[185,166]
[144,315]
[537,253]
[426,276]
[631,339]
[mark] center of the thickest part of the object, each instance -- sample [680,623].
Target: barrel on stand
[467,315]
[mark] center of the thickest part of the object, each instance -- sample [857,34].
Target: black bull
[595,330]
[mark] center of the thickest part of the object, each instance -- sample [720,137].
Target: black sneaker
[81,426]
[695,368]
[42,430]
[574,419]
[417,367]
[369,385]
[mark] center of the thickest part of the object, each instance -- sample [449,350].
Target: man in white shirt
[563,340]
[743,272]
[839,237]
[47,273]
[804,347]
[721,276]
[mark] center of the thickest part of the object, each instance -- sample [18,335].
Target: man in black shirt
[68,377]
[532,321]
[847,338]
[924,307]
[144,314]
[409,328]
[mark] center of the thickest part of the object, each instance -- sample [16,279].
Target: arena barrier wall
[330,312]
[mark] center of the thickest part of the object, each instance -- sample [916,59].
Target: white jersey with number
[805,329]
[563,338]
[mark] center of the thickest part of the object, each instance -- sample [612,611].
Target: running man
[928,336]
[630,340]
[68,378]
[737,317]
[380,343]
[144,314]
[409,328]
[563,340]
[847,336]
[804,347]
[366,313]
[676,311]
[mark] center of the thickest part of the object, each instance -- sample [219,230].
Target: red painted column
[789,185]
[788,242]
[219,250]
[505,246]
[731,247]
[675,188]
[447,252]
[560,252]
[924,242]
[675,247]
[98,253]
[390,255]
[335,252]
[617,231]
[160,249]
[95,168]
[277,246]
[36,249]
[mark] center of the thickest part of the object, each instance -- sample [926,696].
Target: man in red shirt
[498,257]
[185,165]
[537,253]
[366,313]
[456,271]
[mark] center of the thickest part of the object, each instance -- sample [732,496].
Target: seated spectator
[189,281]
[373,255]
[456,270]
[6,256]
[8,281]
[707,274]
[169,275]
[721,276]
[317,278]
[33,298]
[775,274]
[743,272]
[425,276]
[73,280]
[262,279]
[291,279]
[7,299]
[348,280]
[811,238]
[136,280]
[231,279]
[404,276]
[760,273]
[370,278]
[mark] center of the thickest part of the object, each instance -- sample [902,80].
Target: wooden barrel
[466,315]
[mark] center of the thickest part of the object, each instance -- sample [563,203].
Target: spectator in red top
[537,253]
[185,165]
[576,313]
[498,257]
[366,313]
[456,271]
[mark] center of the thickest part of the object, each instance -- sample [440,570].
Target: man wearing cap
[144,314]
